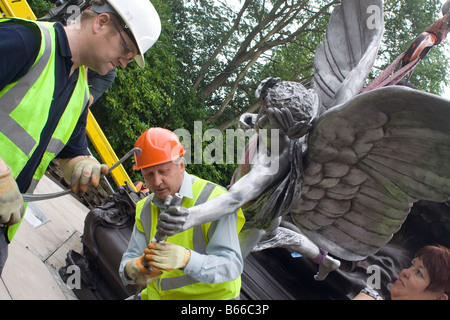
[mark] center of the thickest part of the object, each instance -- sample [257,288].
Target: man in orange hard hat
[200,263]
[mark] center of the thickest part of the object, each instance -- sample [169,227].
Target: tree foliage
[405,20]
[212,55]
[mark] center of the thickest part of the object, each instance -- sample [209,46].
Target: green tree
[243,43]
[40,7]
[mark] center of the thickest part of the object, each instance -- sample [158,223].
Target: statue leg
[329,264]
[248,238]
[294,241]
[251,236]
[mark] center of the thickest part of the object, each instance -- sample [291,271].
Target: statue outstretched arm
[266,171]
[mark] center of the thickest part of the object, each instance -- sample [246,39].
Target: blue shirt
[19,47]
[223,261]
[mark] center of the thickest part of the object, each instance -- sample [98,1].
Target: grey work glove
[81,171]
[173,220]
[140,274]
[167,256]
[11,202]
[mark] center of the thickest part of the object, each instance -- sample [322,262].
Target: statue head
[287,106]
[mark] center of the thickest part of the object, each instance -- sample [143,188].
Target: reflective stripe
[55,146]
[12,99]
[146,219]
[18,135]
[198,241]
[176,282]
[32,186]
[181,281]
[206,192]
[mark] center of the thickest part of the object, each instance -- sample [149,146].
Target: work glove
[140,274]
[167,256]
[173,220]
[80,171]
[11,202]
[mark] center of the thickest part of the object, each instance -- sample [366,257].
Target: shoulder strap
[146,217]
[12,98]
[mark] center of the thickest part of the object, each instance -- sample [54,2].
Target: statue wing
[343,61]
[367,162]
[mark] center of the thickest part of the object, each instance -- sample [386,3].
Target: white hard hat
[140,18]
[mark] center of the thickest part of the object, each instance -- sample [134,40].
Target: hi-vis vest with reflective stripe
[176,285]
[24,108]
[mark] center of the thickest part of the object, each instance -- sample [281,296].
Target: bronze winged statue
[349,165]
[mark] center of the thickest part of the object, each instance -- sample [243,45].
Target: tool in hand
[159,237]
[171,201]
[39,197]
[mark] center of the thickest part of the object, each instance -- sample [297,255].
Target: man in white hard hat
[44,95]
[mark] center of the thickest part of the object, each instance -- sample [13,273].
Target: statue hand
[284,120]
[173,220]
[247,121]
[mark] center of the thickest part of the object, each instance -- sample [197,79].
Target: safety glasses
[127,51]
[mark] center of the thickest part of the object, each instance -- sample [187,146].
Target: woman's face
[412,284]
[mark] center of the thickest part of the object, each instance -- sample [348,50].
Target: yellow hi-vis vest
[25,105]
[176,285]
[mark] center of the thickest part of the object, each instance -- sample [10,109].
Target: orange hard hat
[158,146]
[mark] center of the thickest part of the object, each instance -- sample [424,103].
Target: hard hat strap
[106,8]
